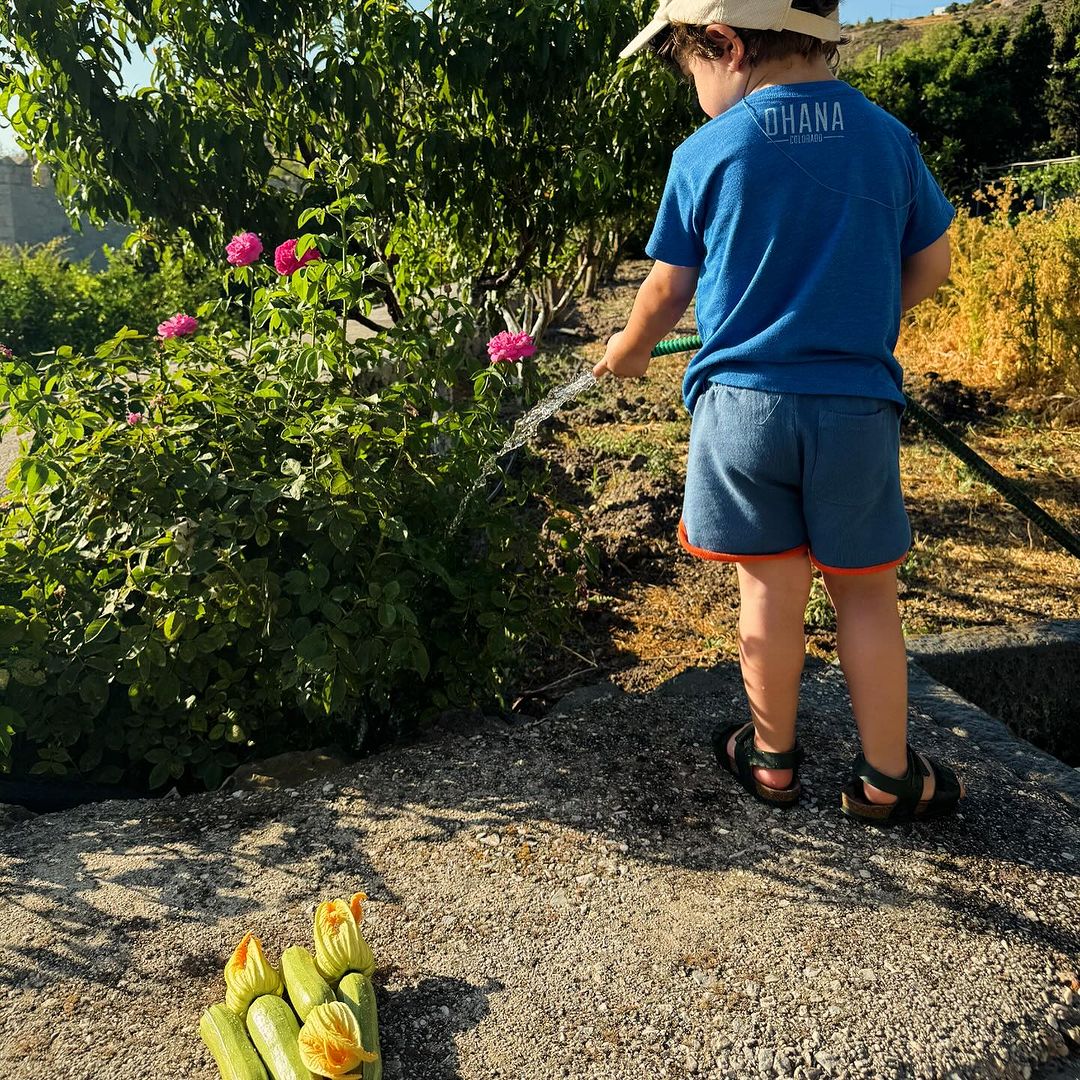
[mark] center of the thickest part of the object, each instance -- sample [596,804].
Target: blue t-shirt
[799,204]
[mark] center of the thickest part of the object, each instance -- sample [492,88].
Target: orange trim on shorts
[861,569]
[718,556]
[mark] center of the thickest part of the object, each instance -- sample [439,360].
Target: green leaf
[341,534]
[36,476]
[159,774]
[94,691]
[174,625]
[313,647]
[421,662]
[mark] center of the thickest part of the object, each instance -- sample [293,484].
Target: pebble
[782,1065]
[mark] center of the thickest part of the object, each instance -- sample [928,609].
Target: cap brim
[644,37]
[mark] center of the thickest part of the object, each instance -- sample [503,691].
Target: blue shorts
[771,475]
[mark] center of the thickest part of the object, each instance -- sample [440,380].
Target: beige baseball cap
[745,14]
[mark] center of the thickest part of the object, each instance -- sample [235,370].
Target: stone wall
[31,214]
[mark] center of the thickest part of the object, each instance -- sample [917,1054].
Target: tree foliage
[496,143]
[1063,86]
[977,95]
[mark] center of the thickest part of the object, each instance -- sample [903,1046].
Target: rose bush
[217,546]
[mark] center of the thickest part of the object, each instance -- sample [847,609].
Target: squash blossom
[330,1042]
[249,975]
[339,945]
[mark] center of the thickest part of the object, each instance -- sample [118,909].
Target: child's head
[678,42]
[719,43]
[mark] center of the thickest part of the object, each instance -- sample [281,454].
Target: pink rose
[510,347]
[5,352]
[178,326]
[134,418]
[286,262]
[244,249]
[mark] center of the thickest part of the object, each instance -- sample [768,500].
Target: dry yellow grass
[1009,316]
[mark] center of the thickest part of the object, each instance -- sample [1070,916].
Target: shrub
[1057,180]
[47,301]
[217,546]
[1007,316]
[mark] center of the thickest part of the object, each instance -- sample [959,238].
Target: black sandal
[909,805]
[748,757]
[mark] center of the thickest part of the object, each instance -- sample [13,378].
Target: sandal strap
[946,784]
[907,788]
[748,757]
[766,759]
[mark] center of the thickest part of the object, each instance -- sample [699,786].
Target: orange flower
[331,1044]
[339,945]
[249,975]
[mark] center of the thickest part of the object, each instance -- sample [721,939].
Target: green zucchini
[358,993]
[225,1037]
[274,1030]
[306,987]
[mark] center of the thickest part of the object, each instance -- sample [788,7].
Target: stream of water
[525,430]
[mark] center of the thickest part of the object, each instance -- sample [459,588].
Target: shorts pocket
[856,456]
[741,406]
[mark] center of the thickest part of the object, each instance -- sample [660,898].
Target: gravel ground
[578,896]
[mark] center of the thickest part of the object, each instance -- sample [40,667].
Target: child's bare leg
[772,649]
[870,644]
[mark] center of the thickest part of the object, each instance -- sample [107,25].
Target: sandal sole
[876,814]
[779,797]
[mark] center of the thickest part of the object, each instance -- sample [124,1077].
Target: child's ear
[726,39]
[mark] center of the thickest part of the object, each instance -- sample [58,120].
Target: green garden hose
[677,345]
[978,465]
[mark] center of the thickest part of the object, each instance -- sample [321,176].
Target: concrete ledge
[991,736]
[1027,677]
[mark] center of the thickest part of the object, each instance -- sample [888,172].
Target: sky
[851,11]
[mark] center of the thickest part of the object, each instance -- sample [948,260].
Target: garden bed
[619,455]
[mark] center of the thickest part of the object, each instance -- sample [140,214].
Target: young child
[804,219]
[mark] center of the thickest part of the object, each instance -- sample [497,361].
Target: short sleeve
[930,212]
[677,236]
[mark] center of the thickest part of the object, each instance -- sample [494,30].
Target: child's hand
[622,362]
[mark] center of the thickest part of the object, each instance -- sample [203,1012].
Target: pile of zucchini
[329,1025]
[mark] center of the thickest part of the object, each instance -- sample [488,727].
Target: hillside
[890,34]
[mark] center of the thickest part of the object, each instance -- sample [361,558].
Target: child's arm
[660,303]
[922,274]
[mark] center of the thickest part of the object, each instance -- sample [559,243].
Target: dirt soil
[619,457]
